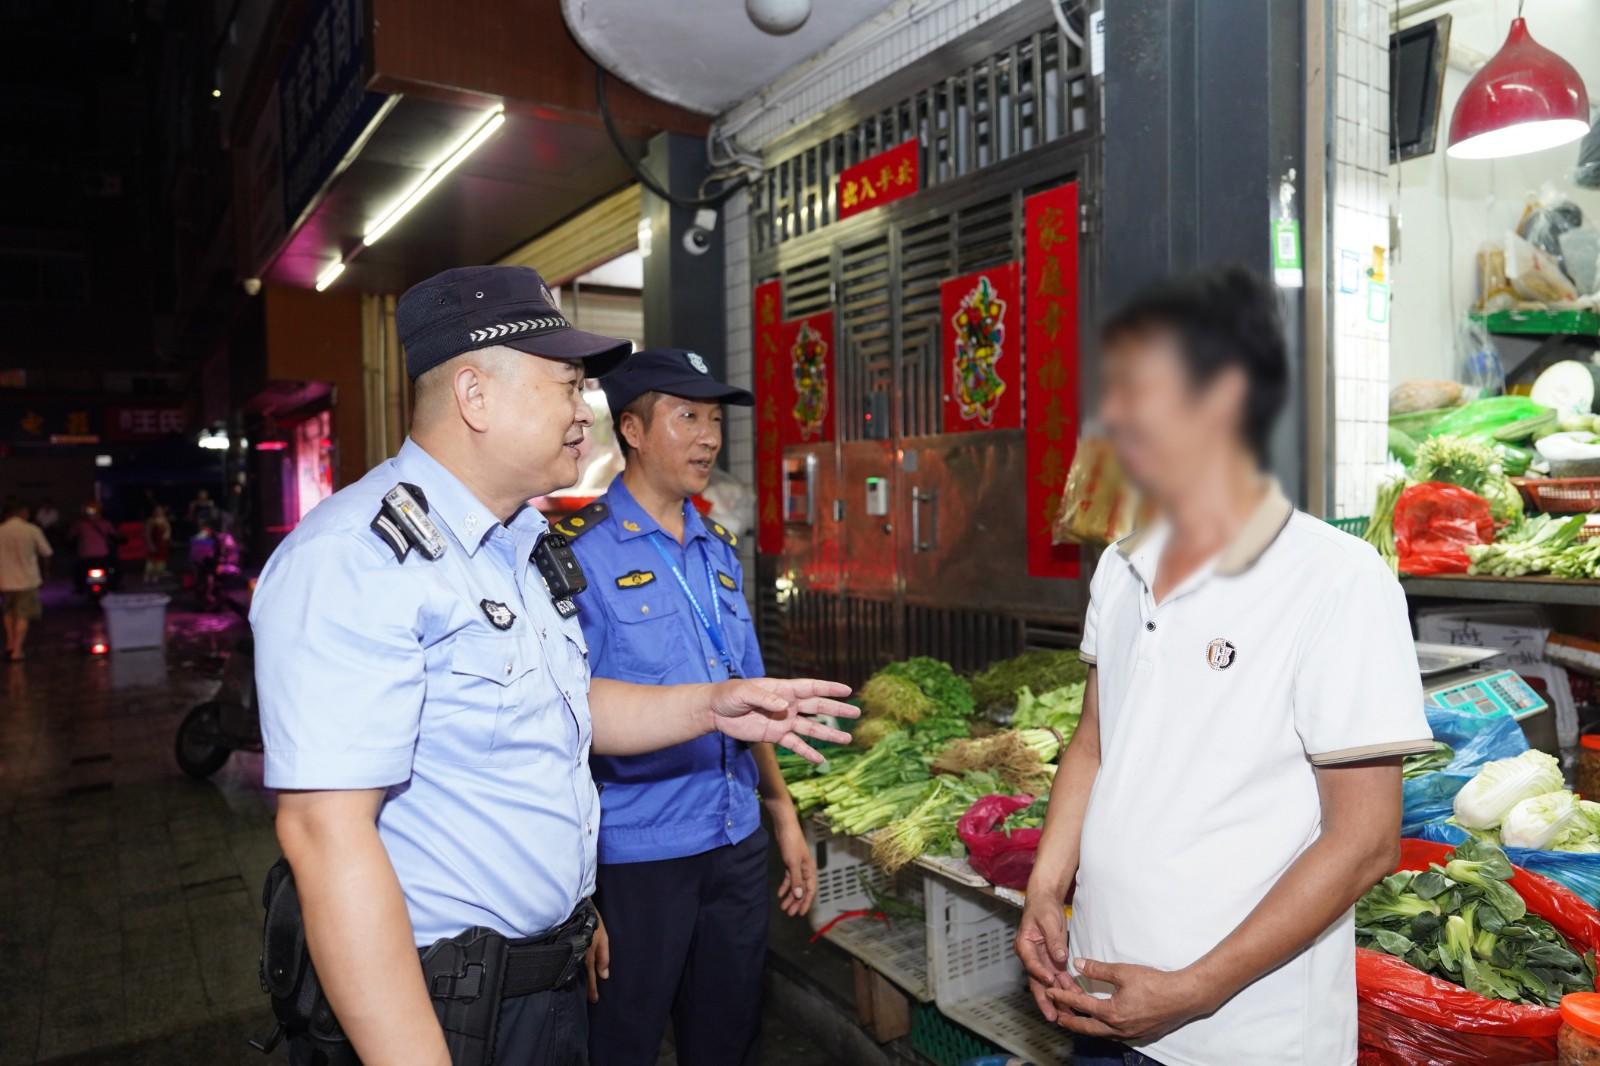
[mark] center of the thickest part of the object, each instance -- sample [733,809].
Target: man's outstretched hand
[770,710]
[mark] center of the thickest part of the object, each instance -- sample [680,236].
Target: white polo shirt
[1292,650]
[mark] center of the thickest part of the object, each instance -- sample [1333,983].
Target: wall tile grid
[904,33]
[1361,210]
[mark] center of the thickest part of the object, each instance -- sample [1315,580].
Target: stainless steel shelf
[1506,589]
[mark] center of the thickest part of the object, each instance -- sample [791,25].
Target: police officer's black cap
[468,308]
[674,371]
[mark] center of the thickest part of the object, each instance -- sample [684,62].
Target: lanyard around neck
[712,627]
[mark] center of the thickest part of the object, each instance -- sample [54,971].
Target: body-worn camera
[563,574]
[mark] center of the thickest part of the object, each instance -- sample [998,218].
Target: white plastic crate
[978,980]
[897,949]
[135,620]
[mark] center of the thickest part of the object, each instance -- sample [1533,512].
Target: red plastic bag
[1006,859]
[1409,1018]
[1433,524]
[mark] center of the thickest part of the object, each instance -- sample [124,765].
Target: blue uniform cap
[468,308]
[674,371]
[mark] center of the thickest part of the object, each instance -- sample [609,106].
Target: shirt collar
[451,503]
[634,521]
[1143,546]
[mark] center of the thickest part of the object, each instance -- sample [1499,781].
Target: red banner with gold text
[1050,221]
[981,350]
[771,388]
[879,179]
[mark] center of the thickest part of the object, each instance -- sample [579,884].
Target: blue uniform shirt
[641,627]
[375,673]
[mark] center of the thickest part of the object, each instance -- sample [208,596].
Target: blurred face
[1164,427]
[679,448]
[536,417]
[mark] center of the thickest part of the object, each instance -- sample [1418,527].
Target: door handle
[918,498]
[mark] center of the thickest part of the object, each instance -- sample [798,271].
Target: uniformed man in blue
[426,701]
[683,856]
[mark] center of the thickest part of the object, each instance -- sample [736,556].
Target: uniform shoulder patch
[634,579]
[580,522]
[720,531]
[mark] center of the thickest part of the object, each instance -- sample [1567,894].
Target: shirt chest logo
[1220,654]
[499,614]
[635,579]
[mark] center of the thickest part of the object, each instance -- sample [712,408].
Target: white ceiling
[705,55]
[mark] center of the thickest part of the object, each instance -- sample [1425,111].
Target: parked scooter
[95,577]
[229,722]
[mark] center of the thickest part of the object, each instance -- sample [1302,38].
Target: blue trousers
[1088,1051]
[689,944]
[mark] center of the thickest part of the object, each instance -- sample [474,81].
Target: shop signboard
[768,333]
[42,420]
[323,102]
[981,350]
[143,422]
[880,179]
[1050,338]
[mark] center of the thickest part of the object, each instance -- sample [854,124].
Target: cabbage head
[1539,821]
[1484,802]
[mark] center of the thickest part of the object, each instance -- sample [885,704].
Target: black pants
[542,1029]
[689,942]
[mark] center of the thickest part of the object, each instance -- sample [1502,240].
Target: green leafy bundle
[1463,922]
[1535,545]
[1029,817]
[996,688]
[894,761]
[949,691]
[1472,465]
[1427,762]
[1057,709]
[930,826]
[897,698]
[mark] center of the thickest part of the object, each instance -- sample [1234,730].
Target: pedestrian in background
[92,538]
[22,545]
[157,544]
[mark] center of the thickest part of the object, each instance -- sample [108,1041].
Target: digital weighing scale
[1449,681]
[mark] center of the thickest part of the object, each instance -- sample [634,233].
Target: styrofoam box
[845,873]
[978,980]
[135,620]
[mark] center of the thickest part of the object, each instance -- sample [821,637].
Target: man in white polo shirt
[1234,785]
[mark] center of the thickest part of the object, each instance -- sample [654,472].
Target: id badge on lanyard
[712,625]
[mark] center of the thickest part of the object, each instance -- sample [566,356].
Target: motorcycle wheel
[199,754]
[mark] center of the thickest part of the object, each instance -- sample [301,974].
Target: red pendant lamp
[1525,99]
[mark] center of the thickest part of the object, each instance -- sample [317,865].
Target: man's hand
[1041,944]
[1146,1003]
[799,886]
[769,710]
[597,960]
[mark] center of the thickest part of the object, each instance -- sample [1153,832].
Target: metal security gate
[942,573]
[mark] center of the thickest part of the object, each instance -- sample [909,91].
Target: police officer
[425,696]
[683,857]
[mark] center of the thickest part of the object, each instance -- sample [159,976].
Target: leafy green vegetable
[1029,817]
[1459,921]
[996,688]
[1057,709]
[1538,821]
[950,693]
[1428,762]
[894,697]
[1475,467]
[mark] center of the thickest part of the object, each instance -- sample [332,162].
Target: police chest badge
[499,614]
[1220,654]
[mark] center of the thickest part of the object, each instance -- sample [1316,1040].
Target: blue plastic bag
[1477,739]
[1578,870]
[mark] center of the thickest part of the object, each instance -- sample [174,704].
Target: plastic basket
[941,1040]
[978,980]
[1560,495]
[1353,526]
[135,620]
[845,874]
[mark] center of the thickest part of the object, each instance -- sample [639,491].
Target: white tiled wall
[1361,209]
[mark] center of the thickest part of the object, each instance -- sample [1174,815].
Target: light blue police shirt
[375,673]
[641,627]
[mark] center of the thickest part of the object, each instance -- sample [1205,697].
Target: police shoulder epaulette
[580,522]
[720,531]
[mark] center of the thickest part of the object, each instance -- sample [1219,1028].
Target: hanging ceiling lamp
[1525,99]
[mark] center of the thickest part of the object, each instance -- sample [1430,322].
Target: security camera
[697,238]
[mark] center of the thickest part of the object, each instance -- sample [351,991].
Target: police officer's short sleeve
[339,666]
[1357,690]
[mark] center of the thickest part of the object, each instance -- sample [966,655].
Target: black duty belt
[531,964]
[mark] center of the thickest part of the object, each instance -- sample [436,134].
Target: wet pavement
[129,910]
